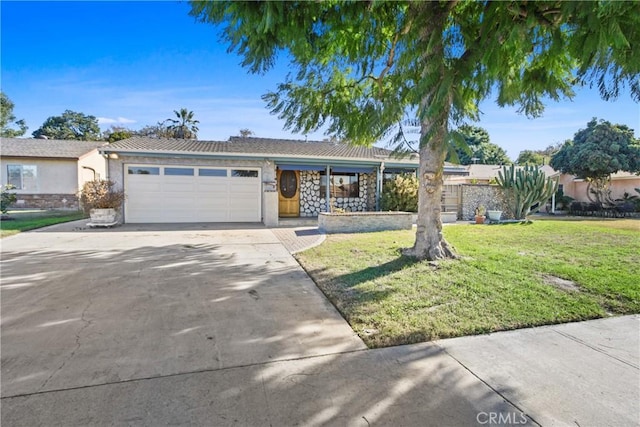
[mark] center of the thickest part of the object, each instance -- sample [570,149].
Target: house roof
[477,172]
[259,146]
[280,150]
[46,148]
[483,171]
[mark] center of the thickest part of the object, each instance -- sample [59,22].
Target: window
[244,173]
[23,177]
[212,172]
[143,170]
[342,185]
[178,171]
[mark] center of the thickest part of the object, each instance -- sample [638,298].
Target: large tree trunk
[430,243]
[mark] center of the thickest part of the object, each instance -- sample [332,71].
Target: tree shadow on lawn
[344,290]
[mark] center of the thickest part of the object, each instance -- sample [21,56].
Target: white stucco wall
[54,176]
[95,162]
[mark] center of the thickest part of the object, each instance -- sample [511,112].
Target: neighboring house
[248,179]
[48,174]
[476,174]
[621,182]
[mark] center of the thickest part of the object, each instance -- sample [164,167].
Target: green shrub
[562,201]
[400,194]
[7,198]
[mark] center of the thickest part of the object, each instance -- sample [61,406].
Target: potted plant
[494,215]
[480,210]
[101,201]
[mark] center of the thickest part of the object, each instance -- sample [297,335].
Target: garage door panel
[245,215]
[174,187]
[142,186]
[210,194]
[175,197]
[214,215]
[242,201]
[211,204]
[212,188]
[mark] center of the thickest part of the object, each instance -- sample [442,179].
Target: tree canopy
[70,125]
[359,67]
[8,119]
[478,148]
[599,150]
[246,132]
[117,133]
[538,157]
[184,126]
[530,157]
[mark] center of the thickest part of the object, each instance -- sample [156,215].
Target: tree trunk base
[431,253]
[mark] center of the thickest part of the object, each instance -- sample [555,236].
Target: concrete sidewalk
[578,374]
[298,239]
[582,374]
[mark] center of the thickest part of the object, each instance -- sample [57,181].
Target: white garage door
[192,194]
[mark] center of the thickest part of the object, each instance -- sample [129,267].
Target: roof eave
[277,157]
[27,156]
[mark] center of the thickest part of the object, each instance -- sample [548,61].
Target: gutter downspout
[92,170]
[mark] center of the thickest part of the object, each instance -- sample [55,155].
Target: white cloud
[110,121]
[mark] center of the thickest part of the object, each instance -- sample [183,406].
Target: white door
[164,193]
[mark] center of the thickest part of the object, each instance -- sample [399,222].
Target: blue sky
[133,63]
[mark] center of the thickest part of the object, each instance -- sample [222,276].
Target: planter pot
[448,217]
[494,215]
[479,219]
[103,217]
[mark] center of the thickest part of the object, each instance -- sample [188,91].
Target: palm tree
[184,126]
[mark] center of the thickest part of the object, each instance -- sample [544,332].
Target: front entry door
[288,193]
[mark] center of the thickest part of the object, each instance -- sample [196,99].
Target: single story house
[576,188]
[247,179]
[476,174]
[48,174]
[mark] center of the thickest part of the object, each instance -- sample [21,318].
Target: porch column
[379,176]
[328,188]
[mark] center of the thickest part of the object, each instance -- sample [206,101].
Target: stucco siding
[91,166]
[59,176]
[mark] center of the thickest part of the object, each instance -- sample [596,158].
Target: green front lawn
[509,278]
[30,220]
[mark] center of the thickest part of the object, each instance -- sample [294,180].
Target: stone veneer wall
[312,202]
[491,197]
[363,222]
[47,201]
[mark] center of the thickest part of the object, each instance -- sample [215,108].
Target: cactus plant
[526,186]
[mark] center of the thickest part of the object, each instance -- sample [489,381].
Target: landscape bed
[510,276]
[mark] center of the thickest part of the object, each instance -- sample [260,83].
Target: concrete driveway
[84,307]
[198,326]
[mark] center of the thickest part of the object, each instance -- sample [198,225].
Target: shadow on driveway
[82,309]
